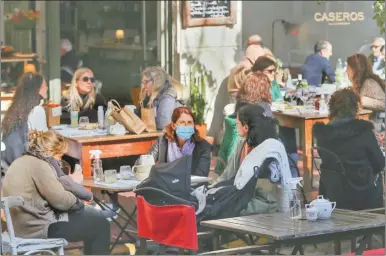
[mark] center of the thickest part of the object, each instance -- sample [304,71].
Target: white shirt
[37,119]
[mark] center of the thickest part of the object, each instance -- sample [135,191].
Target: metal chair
[16,245]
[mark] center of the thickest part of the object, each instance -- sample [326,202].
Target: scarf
[174,152]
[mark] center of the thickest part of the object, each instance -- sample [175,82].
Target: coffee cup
[312,213]
[141,172]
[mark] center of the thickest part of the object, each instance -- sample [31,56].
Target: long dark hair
[26,98]
[260,126]
[362,70]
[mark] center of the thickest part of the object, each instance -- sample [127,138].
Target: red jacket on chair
[173,225]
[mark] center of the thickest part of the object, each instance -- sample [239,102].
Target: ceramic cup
[311,213]
[146,160]
[141,172]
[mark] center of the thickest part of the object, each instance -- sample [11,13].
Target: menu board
[200,13]
[209,9]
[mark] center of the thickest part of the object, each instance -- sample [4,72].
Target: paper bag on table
[148,117]
[53,113]
[127,118]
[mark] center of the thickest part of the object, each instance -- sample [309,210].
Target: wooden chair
[16,245]
[135,95]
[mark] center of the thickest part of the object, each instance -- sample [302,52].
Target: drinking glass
[126,173]
[83,121]
[110,176]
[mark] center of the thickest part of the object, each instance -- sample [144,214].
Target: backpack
[224,200]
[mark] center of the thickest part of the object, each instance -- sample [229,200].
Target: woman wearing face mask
[180,139]
[26,113]
[82,97]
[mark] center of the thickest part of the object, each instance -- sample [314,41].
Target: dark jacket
[316,68]
[164,103]
[91,113]
[354,142]
[201,155]
[69,63]
[15,143]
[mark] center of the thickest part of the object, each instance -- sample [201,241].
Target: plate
[24,55]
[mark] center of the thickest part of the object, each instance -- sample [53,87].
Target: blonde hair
[75,102]
[238,77]
[160,79]
[46,144]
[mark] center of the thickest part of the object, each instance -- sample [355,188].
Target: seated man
[69,62]
[355,183]
[318,66]
[377,58]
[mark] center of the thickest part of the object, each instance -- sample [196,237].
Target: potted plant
[198,81]
[23,19]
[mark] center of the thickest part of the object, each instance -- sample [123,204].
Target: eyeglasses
[86,79]
[145,82]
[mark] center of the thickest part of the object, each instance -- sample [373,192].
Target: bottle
[97,165]
[339,73]
[299,83]
[295,202]
[323,108]
[101,116]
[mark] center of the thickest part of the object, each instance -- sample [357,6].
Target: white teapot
[324,206]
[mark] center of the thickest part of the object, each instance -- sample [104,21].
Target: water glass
[295,211]
[110,176]
[83,121]
[126,173]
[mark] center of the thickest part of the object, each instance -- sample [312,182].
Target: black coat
[91,113]
[200,160]
[354,142]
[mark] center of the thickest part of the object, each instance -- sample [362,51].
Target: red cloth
[173,225]
[381,251]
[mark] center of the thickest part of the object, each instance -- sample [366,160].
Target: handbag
[148,117]
[127,118]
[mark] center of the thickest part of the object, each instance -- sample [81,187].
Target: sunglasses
[375,46]
[271,71]
[86,79]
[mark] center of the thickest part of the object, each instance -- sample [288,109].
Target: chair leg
[142,246]
[162,249]
[61,250]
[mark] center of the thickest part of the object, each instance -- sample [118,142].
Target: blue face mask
[185,132]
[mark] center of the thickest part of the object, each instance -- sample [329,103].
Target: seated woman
[180,139]
[25,113]
[368,85]
[354,142]
[82,97]
[49,210]
[267,65]
[255,89]
[162,92]
[254,127]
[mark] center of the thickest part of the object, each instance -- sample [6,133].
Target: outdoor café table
[81,142]
[284,231]
[305,122]
[122,186]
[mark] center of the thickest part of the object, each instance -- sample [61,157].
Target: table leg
[306,141]
[86,163]
[337,247]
